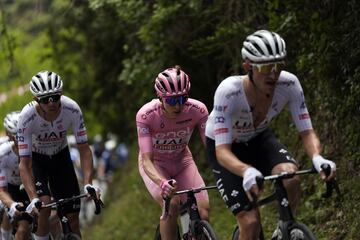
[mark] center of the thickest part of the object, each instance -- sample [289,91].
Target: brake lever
[253,204]
[165,210]
[330,185]
[98,203]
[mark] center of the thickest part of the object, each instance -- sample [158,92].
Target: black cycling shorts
[18,195]
[55,176]
[262,152]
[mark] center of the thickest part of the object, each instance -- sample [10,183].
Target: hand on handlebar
[14,209]
[87,190]
[319,162]
[168,187]
[33,207]
[250,185]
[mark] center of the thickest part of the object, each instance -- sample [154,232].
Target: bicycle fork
[189,216]
[285,213]
[64,221]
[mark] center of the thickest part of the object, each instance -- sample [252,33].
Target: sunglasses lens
[172,101]
[279,67]
[51,98]
[269,68]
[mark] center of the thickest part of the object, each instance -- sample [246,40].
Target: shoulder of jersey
[5,149]
[230,87]
[69,104]
[29,107]
[28,114]
[287,79]
[196,105]
[148,110]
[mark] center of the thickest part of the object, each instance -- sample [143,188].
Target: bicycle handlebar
[330,185]
[166,200]
[97,201]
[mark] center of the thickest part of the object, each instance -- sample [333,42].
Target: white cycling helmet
[45,83]
[11,121]
[264,46]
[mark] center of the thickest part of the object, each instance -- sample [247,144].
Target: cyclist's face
[172,111]
[50,104]
[266,76]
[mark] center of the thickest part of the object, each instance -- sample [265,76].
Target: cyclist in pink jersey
[164,127]
[239,142]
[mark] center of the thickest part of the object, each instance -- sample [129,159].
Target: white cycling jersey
[231,119]
[48,138]
[4,139]
[9,165]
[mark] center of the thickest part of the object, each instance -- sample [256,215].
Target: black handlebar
[191,190]
[330,185]
[97,201]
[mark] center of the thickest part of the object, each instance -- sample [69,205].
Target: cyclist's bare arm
[311,142]
[149,168]
[313,148]
[27,177]
[5,197]
[228,160]
[86,162]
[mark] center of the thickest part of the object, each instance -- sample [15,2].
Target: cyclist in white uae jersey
[44,153]
[10,182]
[239,143]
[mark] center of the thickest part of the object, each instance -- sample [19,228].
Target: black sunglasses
[51,98]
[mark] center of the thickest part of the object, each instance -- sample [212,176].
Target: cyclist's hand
[318,161]
[13,211]
[249,183]
[168,187]
[33,207]
[97,190]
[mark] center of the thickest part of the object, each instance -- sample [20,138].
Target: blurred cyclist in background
[10,194]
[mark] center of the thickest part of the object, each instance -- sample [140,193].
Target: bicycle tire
[307,233]
[204,231]
[158,236]
[72,236]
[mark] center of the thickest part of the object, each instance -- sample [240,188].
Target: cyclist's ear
[247,66]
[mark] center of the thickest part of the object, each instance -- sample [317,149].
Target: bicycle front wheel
[299,231]
[204,231]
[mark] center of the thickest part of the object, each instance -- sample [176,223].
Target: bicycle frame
[286,218]
[280,194]
[60,208]
[190,206]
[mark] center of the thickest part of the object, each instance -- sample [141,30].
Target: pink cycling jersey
[167,139]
